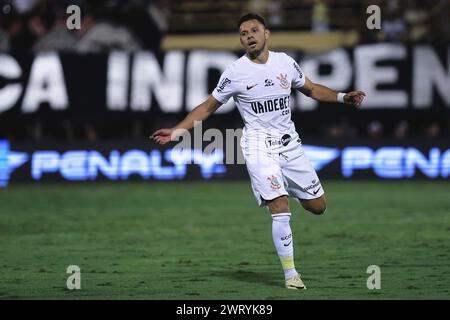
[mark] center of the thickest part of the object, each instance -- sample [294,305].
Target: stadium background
[79,105]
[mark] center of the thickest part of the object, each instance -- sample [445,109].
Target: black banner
[410,79]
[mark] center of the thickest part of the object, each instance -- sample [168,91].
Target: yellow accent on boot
[295,283]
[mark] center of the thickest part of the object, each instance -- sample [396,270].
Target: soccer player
[260,83]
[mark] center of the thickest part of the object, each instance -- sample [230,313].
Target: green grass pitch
[209,240]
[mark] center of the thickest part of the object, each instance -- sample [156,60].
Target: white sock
[283,240]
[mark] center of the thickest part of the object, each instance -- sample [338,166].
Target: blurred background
[135,66]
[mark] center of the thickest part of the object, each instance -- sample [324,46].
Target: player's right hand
[354,98]
[162,136]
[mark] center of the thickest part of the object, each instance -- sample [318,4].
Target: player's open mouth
[252,44]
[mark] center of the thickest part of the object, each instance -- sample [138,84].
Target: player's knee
[319,208]
[278,205]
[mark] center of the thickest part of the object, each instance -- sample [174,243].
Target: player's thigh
[266,177]
[302,181]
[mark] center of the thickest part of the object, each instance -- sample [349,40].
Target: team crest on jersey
[284,83]
[274,184]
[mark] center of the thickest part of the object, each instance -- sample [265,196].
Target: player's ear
[266,33]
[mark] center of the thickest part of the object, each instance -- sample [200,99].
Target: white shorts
[282,174]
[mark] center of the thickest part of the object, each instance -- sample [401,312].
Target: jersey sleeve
[225,87]
[298,77]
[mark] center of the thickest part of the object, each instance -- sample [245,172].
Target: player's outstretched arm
[324,94]
[200,113]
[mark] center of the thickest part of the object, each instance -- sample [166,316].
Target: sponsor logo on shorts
[314,184]
[285,139]
[274,183]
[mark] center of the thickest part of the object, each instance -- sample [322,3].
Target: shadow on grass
[251,277]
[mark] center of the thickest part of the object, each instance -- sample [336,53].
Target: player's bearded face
[253,37]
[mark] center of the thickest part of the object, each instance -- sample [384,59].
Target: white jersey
[262,95]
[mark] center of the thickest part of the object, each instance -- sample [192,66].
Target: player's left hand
[354,98]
